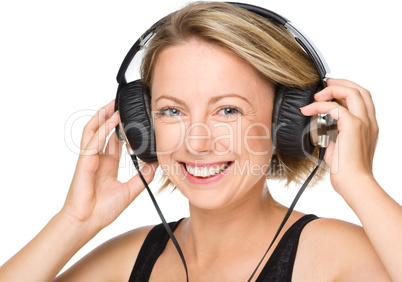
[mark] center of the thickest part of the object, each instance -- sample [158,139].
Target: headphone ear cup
[290,128]
[133,102]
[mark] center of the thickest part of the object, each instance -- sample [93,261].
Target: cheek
[257,139]
[256,148]
[169,138]
[243,137]
[249,141]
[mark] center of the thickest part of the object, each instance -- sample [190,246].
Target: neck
[211,233]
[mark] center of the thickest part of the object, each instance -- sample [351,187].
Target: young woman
[213,70]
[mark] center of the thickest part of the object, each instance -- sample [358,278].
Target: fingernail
[114,114]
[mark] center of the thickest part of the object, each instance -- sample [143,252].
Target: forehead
[197,67]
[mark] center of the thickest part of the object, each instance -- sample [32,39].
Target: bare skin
[232,220]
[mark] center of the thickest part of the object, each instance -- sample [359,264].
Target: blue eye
[171,112]
[229,111]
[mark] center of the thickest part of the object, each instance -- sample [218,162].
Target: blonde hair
[268,47]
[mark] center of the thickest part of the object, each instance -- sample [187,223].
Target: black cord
[286,217]
[169,231]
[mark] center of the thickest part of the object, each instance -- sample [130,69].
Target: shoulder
[114,258]
[337,250]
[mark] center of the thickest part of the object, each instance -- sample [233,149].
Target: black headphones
[293,133]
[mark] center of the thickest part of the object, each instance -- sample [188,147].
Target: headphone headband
[307,45]
[134,50]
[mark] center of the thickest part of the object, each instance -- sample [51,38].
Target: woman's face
[212,118]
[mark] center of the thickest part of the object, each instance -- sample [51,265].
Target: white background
[58,62]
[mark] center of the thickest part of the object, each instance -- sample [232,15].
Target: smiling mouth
[206,171]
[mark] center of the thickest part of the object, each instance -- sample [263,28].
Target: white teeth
[204,171]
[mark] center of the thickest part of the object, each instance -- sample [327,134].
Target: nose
[198,138]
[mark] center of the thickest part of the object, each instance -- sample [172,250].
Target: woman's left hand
[352,154]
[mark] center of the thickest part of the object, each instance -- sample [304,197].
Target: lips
[205,173]
[206,170]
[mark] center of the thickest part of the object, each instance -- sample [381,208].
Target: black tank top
[279,267]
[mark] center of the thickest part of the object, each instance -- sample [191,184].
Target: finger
[98,140]
[331,108]
[109,161]
[367,98]
[366,95]
[109,164]
[135,184]
[352,97]
[94,123]
[113,147]
[89,156]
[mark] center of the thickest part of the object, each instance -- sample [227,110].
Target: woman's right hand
[96,197]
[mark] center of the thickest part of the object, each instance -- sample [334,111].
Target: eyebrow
[211,101]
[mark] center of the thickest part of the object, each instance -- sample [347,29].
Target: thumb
[148,171]
[136,185]
[329,152]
